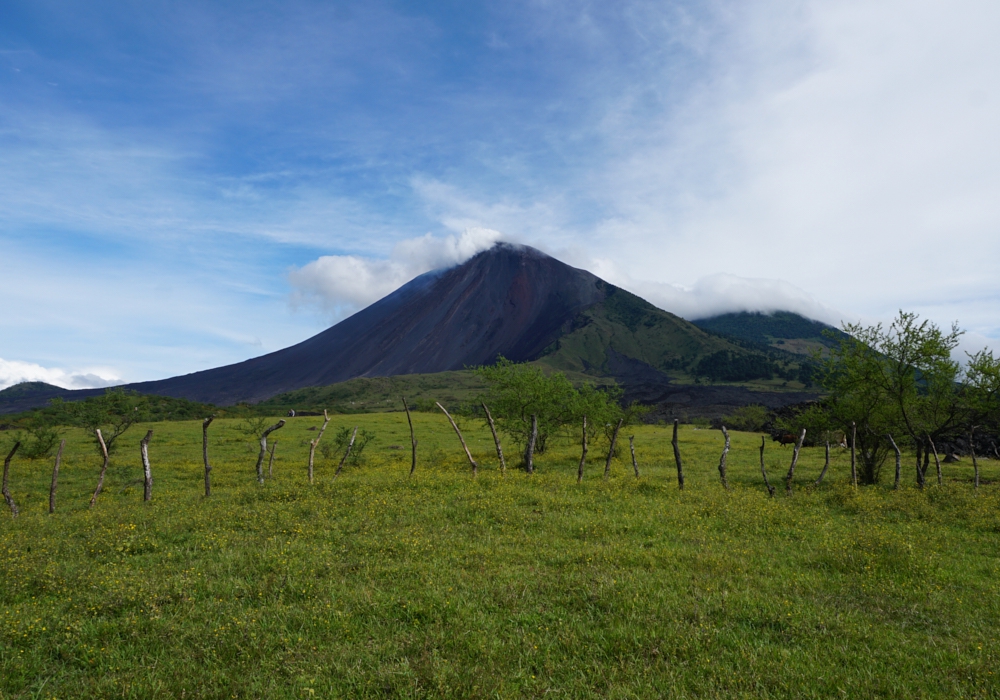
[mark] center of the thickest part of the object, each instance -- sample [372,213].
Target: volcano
[509,300]
[512,301]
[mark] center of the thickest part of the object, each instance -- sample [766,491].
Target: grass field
[443,585]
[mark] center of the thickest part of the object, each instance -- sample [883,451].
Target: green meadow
[441,584]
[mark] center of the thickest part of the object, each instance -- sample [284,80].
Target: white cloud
[343,284]
[14,372]
[848,147]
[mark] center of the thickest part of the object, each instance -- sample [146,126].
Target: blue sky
[184,185]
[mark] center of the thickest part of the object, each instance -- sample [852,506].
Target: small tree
[113,413]
[517,391]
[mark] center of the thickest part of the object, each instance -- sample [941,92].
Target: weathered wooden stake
[854,462]
[204,454]
[475,467]
[529,451]
[583,456]
[496,440]
[631,447]
[413,438]
[270,461]
[972,451]
[937,460]
[147,472]
[104,468]
[826,465]
[763,471]
[6,476]
[347,454]
[722,460]
[795,459]
[313,443]
[920,457]
[55,478]
[263,449]
[677,457]
[927,463]
[611,448]
[895,484]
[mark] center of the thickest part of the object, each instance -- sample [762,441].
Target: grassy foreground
[442,585]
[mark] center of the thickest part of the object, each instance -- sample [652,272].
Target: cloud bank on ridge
[14,372]
[339,285]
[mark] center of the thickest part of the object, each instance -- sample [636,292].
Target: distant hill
[29,389]
[783,330]
[510,300]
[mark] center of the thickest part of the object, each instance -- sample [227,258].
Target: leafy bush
[750,419]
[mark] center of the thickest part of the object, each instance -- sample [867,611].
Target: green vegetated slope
[367,394]
[377,584]
[782,329]
[25,389]
[631,326]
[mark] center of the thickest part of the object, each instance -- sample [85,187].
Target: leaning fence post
[270,461]
[611,447]
[313,443]
[263,449]
[583,456]
[343,460]
[795,460]
[937,460]
[826,464]
[104,467]
[496,439]
[475,467]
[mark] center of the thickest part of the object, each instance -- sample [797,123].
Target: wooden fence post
[270,461]
[104,468]
[611,448]
[895,484]
[343,460]
[313,443]
[204,454]
[6,476]
[763,471]
[529,452]
[722,460]
[631,447]
[413,438]
[583,456]
[826,465]
[795,460]
[937,460]
[263,449]
[475,467]
[147,471]
[972,451]
[677,457]
[55,478]
[854,461]
[496,439]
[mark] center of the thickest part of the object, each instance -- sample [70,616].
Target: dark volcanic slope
[509,301]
